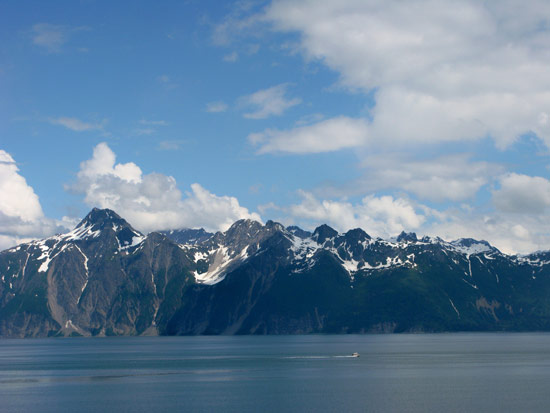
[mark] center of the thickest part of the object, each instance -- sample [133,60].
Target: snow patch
[474,248]
[535,262]
[136,240]
[303,248]
[87,273]
[454,308]
[199,256]
[45,265]
[351,265]
[470,284]
[83,232]
[221,262]
[25,265]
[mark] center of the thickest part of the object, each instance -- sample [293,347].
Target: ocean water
[395,373]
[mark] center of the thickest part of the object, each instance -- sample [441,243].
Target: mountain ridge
[106,278]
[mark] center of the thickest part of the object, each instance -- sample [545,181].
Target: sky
[424,116]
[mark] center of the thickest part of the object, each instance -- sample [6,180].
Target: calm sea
[396,373]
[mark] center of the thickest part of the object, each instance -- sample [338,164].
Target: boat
[355,355]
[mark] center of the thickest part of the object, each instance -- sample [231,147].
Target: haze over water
[442,372]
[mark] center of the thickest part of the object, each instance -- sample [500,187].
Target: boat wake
[347,356]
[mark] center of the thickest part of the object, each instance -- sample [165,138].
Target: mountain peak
[99,217]
[241,232]
[357,234]
[472,246]
[298,232]
[407,236]
[324,232]
[99,221]
[274,225]
[246,225]
[468,242]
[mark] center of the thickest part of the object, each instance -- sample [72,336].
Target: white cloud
[379,216]
[21,215]
[448,177]
[103,164]
[511,233]
[240,18]
[268,102]
[18,198]
[387,216]
[520,224]
[325,136]
[152,201]
[53,37]
[75,124]
[522,194]
[216,107]
[442,71]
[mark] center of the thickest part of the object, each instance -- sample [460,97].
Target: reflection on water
[417,373]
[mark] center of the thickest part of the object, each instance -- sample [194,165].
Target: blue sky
[418,116]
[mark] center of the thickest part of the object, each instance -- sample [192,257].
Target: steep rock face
[104,277]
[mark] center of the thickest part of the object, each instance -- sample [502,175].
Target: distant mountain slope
[104,278]
[188,235]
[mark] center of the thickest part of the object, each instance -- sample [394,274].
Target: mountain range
[106,278]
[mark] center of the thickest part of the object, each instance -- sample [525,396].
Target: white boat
[355,355]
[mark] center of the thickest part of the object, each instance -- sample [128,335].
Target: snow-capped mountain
[104,277]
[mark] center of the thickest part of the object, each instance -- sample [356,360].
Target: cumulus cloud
[326,136]
[520,223]
[268,102]
[522,194]
[379,216]
[387,216]
[102,163]
[510,233]
[444,178]
[75,124]
[18,198]
[442,71]
[152,201]
[21,215]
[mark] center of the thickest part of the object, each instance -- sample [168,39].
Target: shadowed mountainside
[106,278]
